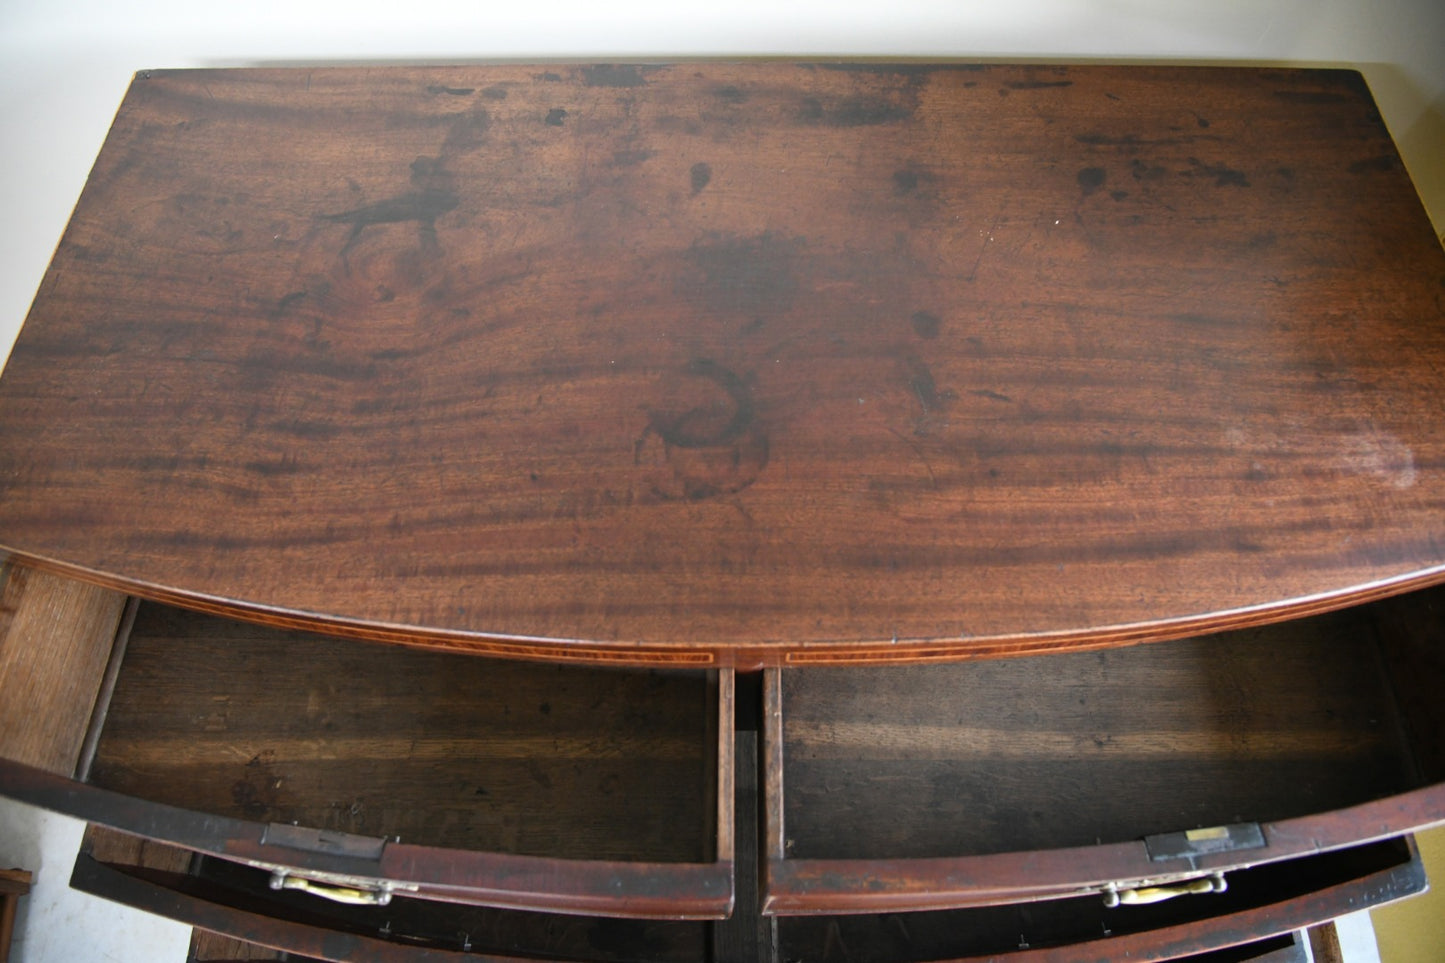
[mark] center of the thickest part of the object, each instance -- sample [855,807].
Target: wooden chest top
[739,364]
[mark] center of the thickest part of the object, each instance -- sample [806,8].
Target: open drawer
[1257,923]
[1129,774]
[358,771]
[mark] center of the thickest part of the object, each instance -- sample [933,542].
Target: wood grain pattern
[822,886]
[214,948]
[55,639]
[123,849]
[1259,903]
[252,723]
[1276,900]
[617,889]
[236,900]
[1073,750]
[735,361]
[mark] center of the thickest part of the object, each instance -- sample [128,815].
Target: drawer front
[234,900]
[226,897]
[936,786]
[209,947]
[1259,903]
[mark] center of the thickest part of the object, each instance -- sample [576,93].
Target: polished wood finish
[739,364]
[619,889]
[235,900]
[55,640]
[1266,901]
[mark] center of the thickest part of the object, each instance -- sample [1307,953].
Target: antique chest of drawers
[735,511]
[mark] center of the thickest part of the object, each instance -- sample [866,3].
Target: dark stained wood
[55,640]
[803,887]
[924,787]
[1110,746]
[514,784]
[746,936]
[1412,633]
[624,890]
[739,363]
[236,901]
[253,723]
[1269,900]
[1265,901]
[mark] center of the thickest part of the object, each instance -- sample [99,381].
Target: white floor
[56,924]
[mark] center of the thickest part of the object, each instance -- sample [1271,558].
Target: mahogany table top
[739,364]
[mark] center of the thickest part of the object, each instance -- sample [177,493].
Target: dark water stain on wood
[1312,97]
[256,794]
[861,111]
[422,207]
[274,469]
[1224,176]
[921,384]
[309,430]
[630,158]
[1134,143]
[1195,319]
[1143,171]
[700,175]
[926,324]
[1091,179]
[615,75]
[467,132]
[1383,164]
[1037,84]
[920,381]
[711,442]
[705,426]
[751,276]
[916,72]
[433,194]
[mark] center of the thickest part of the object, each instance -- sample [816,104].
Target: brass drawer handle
[1142,895]
[352,895]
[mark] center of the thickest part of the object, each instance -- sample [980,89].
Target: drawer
[1260,904]
[1259,922]
[1286,948]
[363,770]
[937,786]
